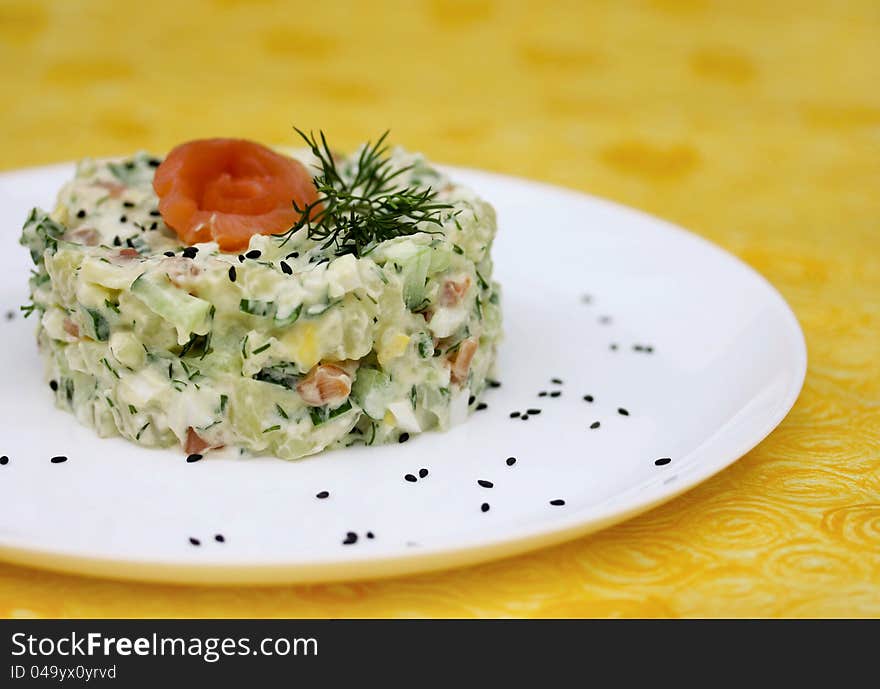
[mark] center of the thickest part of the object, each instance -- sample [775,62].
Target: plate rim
[561,529]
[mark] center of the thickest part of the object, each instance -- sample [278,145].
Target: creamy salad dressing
[285,349]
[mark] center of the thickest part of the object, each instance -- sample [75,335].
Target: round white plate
[687,355]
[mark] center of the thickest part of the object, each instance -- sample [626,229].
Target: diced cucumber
[188,314]
[372,391]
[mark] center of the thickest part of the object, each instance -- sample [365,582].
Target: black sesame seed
[410,478]
[81,213]
[241,258]
[58,459]
[129,244]
[190,252]
[595,424]
[588,398]
[123,218]
[53,384]
[154,225]
[484,507]
[350,538]
[649,350]
[556,381]
[293,254]
[155,213]
[129,165]
[370,535]
[662,461]
[638,348]
[220,538]
[483,483]
[323,494]
[543,393]
[286,269]
[557,502]
[511,461]
[232,273]
[481,406]
[154,162]
[118,242]
[525,417]
[613,347]
[555,393]
[494,383]
[195,457]
[194,541]
[254,253]
[403,437]
[534,411]
[471,400]
[423,473]
[622,412]
[128,204]
[169,254]
[514,415]
[10,315]
[4,460]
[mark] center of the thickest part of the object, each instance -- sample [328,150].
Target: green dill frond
[356,212]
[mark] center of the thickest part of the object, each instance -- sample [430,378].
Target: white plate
[708,360]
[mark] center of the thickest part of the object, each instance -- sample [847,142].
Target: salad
[232,295]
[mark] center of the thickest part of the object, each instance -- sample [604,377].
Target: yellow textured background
[756,124]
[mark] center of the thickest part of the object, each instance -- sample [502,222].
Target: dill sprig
[357,211]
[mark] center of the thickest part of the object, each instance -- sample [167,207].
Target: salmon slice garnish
[228,190]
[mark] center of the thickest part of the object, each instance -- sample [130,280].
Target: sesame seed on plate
[588,398]
[514,414]
[423,473]
[481,406]
[403,437]
[595,424]
[411,478]
[662,461]
[220,538]
[555,393]
[195,457]
[322,494]
[286,269]
[511,461]
[483,483]
[484,507]
[53,384]
[557,502]
[254,253]
[59,459]
[622,411]
[232,273]
[4,460]
[194,541]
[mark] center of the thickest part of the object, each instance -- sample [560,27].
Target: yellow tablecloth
[756,124]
